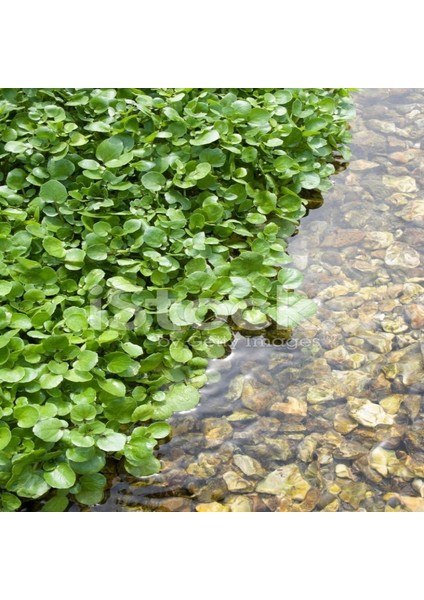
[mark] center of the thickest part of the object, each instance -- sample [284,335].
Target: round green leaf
[9,502]
[154,237]
[54,247]
[120,283]
[48,381]
[180,352]
[15,147]
[90,165]
[182,397]
[110,441]
[62,477]
[53,191]
[91,489]
[309,181]
[60,169]
[50,430]
[109,149]
[83,412]
[290,278]
[207,137]
[159,430]
[118,362]
[16,179]
[153,181]
[12,375]
[5,287]
[87,360]
[27,416]
[113,387]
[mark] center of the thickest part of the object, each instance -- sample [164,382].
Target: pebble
[287,480]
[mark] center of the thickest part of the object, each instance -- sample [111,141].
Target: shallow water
[333,419]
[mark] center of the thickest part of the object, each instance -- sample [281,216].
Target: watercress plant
[135,226]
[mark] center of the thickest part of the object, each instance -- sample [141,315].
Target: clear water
[333,419]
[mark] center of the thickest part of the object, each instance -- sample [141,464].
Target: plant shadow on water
[329,419]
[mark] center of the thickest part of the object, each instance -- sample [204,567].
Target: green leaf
[148,466]
[159,430]
[248,262]
[27,483]
[292,309]
[83,411]
[60,169]
[75,318]
[120,283]
[50,430]
[180,352]
[5,287]
[48,381]
[154,237]
[266,201]
[249,155]
[110,441]
[207,137]
[182,397]
[109,149]
[27,416]
[53,191]
[62,477]
[56,504]
[309,181]
[5,436]
[15,147]
[54,247]
[87,360]
[91,489]
[9,502]
[113,387]
[118,362]
[12,375]
[94,462]
[16,179]
[89,164]
[290,278]
[153,181]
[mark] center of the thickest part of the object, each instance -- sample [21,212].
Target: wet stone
[216,431]
[257,396]
[293,406]
[239,504]
[287,480]
[404,184]
[248,465]
[212,507]
[402,255]
[354,494]
[367,413]
[236,483]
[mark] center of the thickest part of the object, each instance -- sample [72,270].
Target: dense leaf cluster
[133,223]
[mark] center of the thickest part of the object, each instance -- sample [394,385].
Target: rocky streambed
[331,420]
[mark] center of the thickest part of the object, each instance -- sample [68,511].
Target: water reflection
[331,419]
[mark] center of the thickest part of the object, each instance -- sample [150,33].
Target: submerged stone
[367,413]
[402,255]
[403,184]
[287,480]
